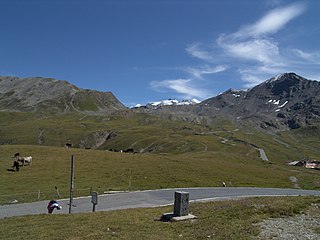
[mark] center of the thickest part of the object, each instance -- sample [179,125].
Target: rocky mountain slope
[285,101]
[51,95]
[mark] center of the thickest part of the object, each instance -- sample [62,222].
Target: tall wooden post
[130,180]
[71,183]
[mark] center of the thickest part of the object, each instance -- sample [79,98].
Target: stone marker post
[180,208]
[181,204]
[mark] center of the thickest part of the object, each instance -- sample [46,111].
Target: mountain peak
[284,76]
[52,95]
[284,101]
[169,102]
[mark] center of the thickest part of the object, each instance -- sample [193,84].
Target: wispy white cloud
[313,57]
[272,22]
[272,3]
[255,47]
[250,79]
[189,87]
[254,75]
[195,50]
[192,85]
[197,72]
[184,87]
[253,52]
[265,51]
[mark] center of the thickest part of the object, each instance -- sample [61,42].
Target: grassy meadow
[104,171]
[169,154]
[234,219]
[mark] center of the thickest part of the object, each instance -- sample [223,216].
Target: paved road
[150,198]
[263,154]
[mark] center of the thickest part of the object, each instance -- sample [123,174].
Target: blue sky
[150,50]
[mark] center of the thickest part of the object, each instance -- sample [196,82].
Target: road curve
[263,154]
[148,198]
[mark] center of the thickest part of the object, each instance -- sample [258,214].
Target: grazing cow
[129,150]
[25,160]
[16,165]
[68,145]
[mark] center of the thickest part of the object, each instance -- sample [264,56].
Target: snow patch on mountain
[277,102]
[170,102]
[283,104]
[276,78]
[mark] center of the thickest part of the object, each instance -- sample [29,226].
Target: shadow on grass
[11,170]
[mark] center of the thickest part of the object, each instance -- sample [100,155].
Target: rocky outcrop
[96,139]
[287,101]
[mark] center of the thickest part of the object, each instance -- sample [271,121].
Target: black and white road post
[94,200]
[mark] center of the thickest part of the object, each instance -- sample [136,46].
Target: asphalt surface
[149,198]
[263,154]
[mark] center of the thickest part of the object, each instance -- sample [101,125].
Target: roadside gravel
[305,226]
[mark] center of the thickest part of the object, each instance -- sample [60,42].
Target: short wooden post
[57,190]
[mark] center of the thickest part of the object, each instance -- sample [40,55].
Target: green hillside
[168,154]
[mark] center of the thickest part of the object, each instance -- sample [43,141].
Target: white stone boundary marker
[180,208]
